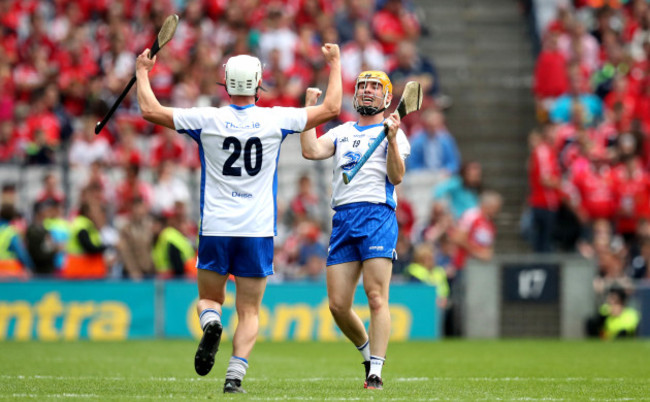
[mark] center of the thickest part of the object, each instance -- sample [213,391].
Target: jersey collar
[242,107]
[364,128]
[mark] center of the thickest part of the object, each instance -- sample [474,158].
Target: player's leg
[252,263]
[247,302]
[342,280]
[376,280]
[212,293]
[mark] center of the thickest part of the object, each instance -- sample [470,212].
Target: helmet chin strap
[369,110]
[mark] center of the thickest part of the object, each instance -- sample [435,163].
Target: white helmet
[243,75]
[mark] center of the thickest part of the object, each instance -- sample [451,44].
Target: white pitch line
[318,379]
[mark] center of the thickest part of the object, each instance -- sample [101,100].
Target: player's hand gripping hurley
[410,102]
[165,35]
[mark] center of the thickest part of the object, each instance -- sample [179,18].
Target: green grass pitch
[528,370]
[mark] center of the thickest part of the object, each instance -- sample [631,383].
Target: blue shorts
[240,256]
[361,231]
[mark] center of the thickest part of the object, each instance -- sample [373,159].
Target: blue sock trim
[240,358]
[364,345]
[207,310]
[377,358]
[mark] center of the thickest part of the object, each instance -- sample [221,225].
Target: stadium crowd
[122,207]
[589,169]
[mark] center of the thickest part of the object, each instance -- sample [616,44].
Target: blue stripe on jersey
[286,132]
[202,196]
[242,107]
[275,195]
[196,136]
[390,189]
[364,128]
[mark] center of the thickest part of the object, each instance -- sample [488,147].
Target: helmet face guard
[362,81]
[243,75]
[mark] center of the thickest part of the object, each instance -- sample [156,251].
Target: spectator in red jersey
[167,146]
[304,205]
[51,189]
[593,182]
[635,23]
[544,182]
[41,117]
[476,233]
[621,94]
[551,79]
[631,185]
[405,214]
[393,23]
[130,188]
[126,151]
[316,13]
[563,20]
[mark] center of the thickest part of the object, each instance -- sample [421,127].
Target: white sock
[207,316]
[365,350]
[376,364]
[236,368]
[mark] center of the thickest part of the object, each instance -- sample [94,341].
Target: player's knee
[338,308]
[376,301]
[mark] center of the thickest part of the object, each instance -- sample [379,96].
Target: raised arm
[331,106]
[313,147]
[395,167]
[150,108]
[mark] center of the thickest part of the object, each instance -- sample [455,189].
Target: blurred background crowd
[124,204]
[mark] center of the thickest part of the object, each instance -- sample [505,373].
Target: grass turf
[447,370]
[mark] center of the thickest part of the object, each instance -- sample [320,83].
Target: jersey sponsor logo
[243,126]
[241,195]
[344,139]
[351,160]
[378,248]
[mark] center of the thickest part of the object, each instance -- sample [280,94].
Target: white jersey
[371,183]
[239,149]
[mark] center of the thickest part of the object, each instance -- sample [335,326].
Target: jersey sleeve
[290,119]
[403,144]
[190,121]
